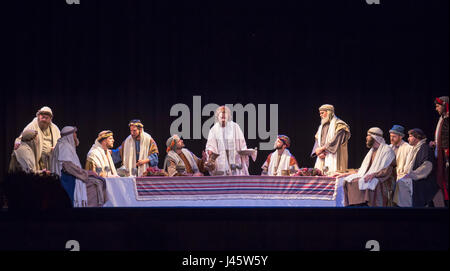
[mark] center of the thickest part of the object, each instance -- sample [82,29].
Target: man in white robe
[331,142]
[48,134]
[99,158]
[227,140]
[281,159]
[372,184]
[400,148]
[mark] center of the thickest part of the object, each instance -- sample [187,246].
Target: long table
[224,191]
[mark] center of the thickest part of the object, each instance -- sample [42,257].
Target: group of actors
[404,174]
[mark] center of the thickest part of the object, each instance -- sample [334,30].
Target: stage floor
[225,229]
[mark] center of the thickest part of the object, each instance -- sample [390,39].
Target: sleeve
[172,169]
[153,159]
[385,173]
[266,164]
[89,165]
[75,171]
[425,166]
[293,162]
[313,152]
[337,141]
[200,163]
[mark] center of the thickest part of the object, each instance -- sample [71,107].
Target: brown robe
[381,196]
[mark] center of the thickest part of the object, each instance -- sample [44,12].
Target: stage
[227,229]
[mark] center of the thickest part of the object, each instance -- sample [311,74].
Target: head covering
[45,110]
[67,130]
[443,100]
[221,109]
[377,134]
[398,129]
[172,142]
[136,123]
[103,135]
[29,135]
[327,107]
[417,133]
[285,139]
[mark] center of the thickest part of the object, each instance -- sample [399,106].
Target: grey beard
[324,121]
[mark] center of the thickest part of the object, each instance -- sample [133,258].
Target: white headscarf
[383,158]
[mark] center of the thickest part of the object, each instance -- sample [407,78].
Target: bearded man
[48,134]
[373,183]
[138,151]
[331,142]
[281,159]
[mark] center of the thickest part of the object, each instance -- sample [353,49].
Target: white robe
[100,159]
[383,158]
[129,153]
[229,138]
[65,152]
[283,165]
[400,158]
[330,160]
[33,125]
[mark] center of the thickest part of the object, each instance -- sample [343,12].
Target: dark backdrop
[101,63]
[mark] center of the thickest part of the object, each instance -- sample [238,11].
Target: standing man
[331,142]
[440,145]
[227,140]
[48,134]
[138,151]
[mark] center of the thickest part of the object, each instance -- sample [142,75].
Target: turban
[45,111]
[68,130]
[377,134]
[171,142]
[325,107]
[136,123]
[442,101]
[417,133]
[103,135]
[398,129]
[285,139]
[29,135]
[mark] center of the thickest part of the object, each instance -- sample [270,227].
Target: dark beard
[369,144]
[278,148]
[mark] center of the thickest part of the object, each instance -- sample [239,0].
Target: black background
[101,63]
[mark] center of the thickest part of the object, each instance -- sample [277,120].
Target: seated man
[138,151]
[400,148]
[85,188]
[98,158]
[373,183]
[280,159]
[24,158]
[180,161]
[417,188]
